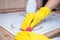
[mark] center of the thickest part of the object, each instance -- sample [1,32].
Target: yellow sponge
[25,35]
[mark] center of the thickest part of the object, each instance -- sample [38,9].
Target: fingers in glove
[35,22]
[27,21]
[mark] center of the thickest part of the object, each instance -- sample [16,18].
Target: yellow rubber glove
[27,22]
[33,19]
[25,35]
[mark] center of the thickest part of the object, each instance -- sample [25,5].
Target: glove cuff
[44,9]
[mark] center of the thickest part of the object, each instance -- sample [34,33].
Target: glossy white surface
[12,22]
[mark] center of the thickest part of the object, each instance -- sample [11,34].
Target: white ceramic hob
[12,22]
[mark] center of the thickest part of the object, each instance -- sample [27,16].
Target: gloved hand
[33,19]
[25,35]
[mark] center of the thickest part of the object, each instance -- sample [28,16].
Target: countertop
[5,35]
